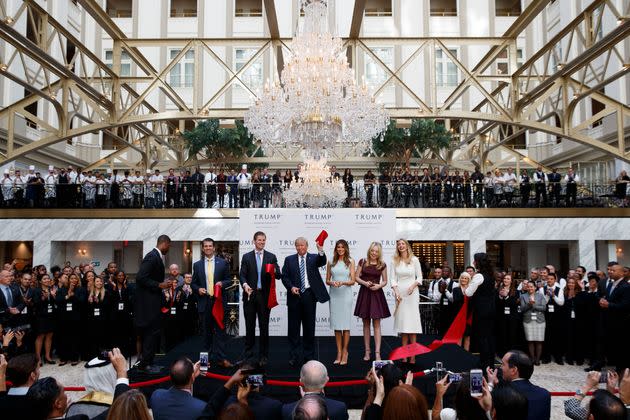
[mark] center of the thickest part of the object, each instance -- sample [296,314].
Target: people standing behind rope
[340,279]
[443,293]
[554,337]
[507,304]
[406,277]
[371,305]
[45,315]
[186,302]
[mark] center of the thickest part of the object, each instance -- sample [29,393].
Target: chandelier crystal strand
[315,188]
[319,104]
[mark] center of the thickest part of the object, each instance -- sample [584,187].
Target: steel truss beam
[87,96]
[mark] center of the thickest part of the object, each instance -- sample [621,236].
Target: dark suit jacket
[221,275]
[174,403]
[616,316]
[148,300]
[14,406]
[262,407]
[337,410]
[18,303]
[249,271]
[539,399]
[291,276]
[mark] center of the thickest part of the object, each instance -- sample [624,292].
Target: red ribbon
[217,308]
[453,336]
[272,301]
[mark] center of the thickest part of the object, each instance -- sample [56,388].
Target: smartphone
[378,364]
[203,360]
[603,377]
[439,371]
[454,378]
[255,381]
[476,383]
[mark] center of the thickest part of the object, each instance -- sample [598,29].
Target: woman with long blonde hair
[406,276]
[98,308]
[340,278]
[459,297]
[371,307]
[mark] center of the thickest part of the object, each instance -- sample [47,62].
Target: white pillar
[42,251]
[586,249]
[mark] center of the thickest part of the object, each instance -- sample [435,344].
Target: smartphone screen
[255,380]
[378,364]
[203,360]
[476,382]
[454,378]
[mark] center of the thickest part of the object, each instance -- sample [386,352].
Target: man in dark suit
[49,400]
[208,272]
[177,402]
[517,368]
[615,313]
[148,302]
[314,378]
[11,304]
[23,372]
[301,277]
[256,282]
[262,407]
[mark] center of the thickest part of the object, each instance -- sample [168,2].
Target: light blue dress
[340,298]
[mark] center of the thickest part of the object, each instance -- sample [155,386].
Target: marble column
[42,253]
[587,253]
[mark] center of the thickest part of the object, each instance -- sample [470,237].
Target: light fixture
[619,250]
[8,20]
[318,105]
[188,251]
[559,66]
[315,188]
[82,251]
[3,67]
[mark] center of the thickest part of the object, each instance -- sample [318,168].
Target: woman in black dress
[573,321]
[97,316]
[482,291]
[44,307]
[70,301]
[507,304]
[121,312]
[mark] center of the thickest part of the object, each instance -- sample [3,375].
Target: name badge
[506,310]
[185,305]
[572,314]
[25,310]
[121,306]
[68,307]
[173,310]
[445,303]
[550,309]
[533,316]
[97,312]
[49,310]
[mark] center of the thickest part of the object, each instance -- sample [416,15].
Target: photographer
[464,402]
[178,401]
[11,342]
[249,394]
[572,406]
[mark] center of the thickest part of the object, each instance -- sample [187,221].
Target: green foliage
[217,144]
[421,140]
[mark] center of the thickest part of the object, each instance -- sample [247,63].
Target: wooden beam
[357,18]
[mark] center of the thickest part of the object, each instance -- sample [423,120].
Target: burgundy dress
[371,304]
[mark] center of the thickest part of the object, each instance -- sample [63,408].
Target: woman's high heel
[344,359]
[366,358]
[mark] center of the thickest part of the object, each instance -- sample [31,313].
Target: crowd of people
[73,314]
[228,188]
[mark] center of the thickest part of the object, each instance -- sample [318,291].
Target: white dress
[407,314]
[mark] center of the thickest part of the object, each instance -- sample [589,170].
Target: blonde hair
[380,264]
[397,257]
[464,275]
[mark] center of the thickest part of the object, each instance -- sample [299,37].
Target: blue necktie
[259,267]
[302,275]
[608,288]
[9,297]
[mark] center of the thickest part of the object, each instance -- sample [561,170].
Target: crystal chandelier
[315,188]
[318,105]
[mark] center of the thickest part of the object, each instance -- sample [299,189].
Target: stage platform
[453,357]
